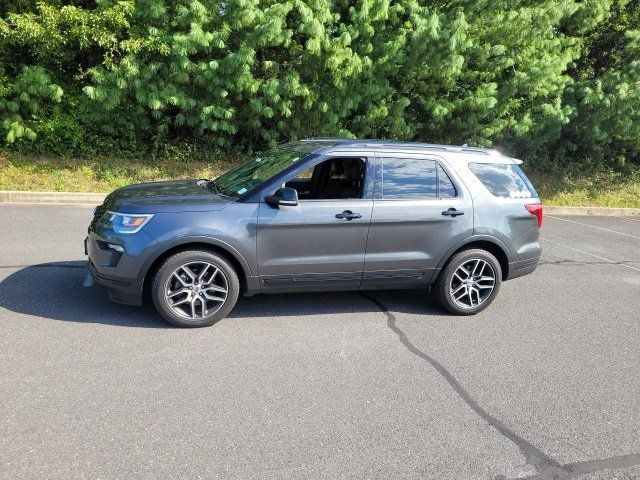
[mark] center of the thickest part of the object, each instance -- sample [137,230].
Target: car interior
[336,178]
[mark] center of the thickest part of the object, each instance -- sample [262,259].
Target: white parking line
[593,226]
[632,219]
[591,254]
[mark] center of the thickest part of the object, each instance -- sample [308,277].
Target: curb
[73,198]
[66,198]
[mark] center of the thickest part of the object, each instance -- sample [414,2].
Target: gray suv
[317,215]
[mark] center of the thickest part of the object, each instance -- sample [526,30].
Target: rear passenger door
[420,210]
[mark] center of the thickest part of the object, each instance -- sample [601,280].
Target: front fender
[199,240]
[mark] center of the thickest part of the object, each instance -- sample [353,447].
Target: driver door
[318,244]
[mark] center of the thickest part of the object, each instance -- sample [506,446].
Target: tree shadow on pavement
[54,291]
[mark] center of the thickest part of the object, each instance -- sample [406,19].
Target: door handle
[348,215]
[452,212]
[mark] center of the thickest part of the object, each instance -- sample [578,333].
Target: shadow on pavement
[54,290]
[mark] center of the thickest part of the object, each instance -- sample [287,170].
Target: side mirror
[283,196]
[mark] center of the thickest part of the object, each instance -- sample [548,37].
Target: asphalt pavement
[543,384]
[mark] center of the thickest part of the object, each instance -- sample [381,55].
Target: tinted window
[337,178]
[409,178]
[445,186]
[504,180]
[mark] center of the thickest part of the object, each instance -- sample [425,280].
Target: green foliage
[606,91]
[30,94]
[532,78]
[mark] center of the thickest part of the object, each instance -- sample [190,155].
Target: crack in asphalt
[581,262]
[533,456]
[582,252]
[546,467]
[593,466]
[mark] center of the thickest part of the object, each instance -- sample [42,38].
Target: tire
[188,289]
[462,296]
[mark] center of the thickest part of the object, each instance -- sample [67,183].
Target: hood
[169,196]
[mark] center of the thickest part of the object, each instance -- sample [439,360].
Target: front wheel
[469,282]
[195,288]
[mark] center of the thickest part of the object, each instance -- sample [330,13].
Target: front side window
[409,178]
[248,176]
[333,179]
[504,180]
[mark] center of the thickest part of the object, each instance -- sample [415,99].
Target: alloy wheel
[196,290]
[472,283]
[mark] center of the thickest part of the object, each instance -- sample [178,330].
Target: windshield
[246,177]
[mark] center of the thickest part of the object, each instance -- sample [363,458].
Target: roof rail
[477,150]
[416,145]
[406,145]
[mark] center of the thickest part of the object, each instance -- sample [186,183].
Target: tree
[550,77]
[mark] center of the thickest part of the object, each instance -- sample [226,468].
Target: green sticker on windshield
[242,190]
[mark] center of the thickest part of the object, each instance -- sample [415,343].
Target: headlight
[126,222]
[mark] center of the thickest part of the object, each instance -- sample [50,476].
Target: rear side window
[504,180]
[411,178]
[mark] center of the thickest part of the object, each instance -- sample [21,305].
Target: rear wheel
[469,282]
[195,288]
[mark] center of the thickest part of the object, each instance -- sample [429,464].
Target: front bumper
[120,290]
[116,271]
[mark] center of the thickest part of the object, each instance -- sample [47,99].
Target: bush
[60,135]
[548,79]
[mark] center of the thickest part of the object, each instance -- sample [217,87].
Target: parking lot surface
[543,384]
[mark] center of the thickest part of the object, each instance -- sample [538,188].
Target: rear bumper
[522,267]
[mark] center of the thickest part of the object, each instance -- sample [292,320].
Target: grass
[18,172]
[605,188]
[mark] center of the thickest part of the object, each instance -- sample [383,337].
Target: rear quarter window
[504,180]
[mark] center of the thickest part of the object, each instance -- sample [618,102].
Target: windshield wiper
[211,185]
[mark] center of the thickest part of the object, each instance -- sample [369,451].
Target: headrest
[337,168]
[352,169]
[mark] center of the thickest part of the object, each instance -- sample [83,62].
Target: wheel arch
[490,244]
[234,257]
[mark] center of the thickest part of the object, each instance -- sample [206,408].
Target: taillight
[535,209]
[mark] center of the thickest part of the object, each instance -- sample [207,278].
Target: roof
[463,149]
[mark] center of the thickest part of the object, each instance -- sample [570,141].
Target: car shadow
[55,291]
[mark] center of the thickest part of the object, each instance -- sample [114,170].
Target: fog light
[117,248]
